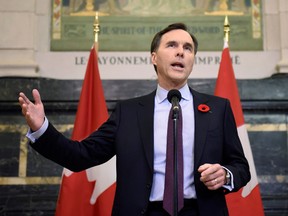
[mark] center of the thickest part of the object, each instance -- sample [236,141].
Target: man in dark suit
[136,132]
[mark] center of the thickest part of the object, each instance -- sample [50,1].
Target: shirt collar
[161,93]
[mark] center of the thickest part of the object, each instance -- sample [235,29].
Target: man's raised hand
[33,112]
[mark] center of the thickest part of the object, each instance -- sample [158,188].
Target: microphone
[174,97]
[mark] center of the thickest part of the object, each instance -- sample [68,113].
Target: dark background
[264,101]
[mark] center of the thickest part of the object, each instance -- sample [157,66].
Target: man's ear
[153,58]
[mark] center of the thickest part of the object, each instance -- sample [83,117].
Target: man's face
[174,59]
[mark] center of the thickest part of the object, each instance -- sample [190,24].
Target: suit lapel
[146,125]
[201,126]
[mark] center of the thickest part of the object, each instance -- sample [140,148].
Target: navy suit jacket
[128,134]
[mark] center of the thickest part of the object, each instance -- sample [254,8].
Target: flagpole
[96,30]
[246,201]
[226,29]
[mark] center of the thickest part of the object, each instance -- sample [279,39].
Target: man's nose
[180,52]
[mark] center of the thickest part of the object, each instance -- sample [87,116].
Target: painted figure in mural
[111,7]
[214,5]
[157,7]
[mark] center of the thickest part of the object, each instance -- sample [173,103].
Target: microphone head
[174,93]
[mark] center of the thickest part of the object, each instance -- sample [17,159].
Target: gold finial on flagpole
[226,29]
[96,30]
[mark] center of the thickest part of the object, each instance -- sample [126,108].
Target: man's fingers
[23,99]
[36,96]
[203,167]
[207,169]
[24,107]
[212,175]
[23,103]
[214,184]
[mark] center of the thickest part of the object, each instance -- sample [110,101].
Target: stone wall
[29,183]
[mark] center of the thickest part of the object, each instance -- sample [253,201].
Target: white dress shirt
[161,113]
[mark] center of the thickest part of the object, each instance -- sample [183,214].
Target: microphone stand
[175,118]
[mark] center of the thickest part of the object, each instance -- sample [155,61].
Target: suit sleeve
[234,158]
[76,156]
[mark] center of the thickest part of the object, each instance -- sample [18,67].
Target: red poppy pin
[203,108]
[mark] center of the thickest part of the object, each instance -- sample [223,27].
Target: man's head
[172,53]
[157,38]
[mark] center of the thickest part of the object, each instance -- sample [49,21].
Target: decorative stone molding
[23,69]
[282,66]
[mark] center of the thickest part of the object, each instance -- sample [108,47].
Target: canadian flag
[90,192]
[247,201]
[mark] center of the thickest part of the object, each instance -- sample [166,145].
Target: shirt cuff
[33,136]
[230,186]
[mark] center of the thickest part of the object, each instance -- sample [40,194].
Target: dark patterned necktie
[168,199]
